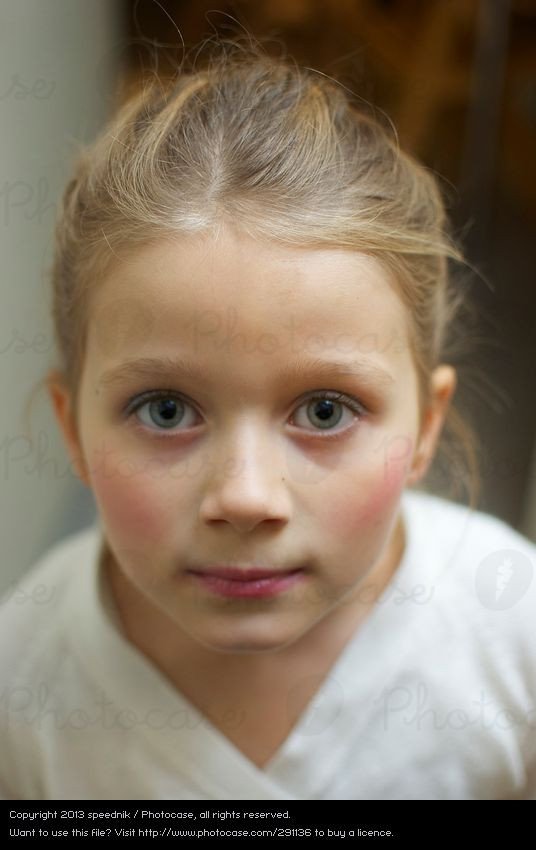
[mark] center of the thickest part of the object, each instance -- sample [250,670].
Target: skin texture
[248,476]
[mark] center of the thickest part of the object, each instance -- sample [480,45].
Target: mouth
[246,582]
[242,573]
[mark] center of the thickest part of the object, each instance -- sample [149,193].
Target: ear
[443,385]
[61,399]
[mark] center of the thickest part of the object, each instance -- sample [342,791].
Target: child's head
[252,221]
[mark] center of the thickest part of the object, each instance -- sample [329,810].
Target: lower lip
[248,589]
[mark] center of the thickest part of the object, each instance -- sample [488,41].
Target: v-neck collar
[190,742]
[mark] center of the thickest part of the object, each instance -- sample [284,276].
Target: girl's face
[205,439]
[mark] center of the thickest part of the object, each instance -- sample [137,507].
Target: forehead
[208,293]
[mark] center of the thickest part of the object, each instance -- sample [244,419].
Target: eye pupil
[164,409]
[323,410]
[167,408]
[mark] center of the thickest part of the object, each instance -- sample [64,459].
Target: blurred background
[456,77]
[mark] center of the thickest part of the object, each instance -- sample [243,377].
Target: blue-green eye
[166,411]
[163,412]
[325,412]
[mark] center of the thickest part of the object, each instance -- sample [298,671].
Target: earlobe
[442,388]
[60,397]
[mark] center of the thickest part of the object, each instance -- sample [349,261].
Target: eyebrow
[368,372]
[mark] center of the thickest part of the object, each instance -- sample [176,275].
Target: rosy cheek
[386,492]
[130,501]
[370,502]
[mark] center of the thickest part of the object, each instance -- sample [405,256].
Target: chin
[243,643]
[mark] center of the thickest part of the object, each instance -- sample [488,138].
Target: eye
[167,410]
[326,409]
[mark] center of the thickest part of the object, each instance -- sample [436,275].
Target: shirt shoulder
[482,626]
[476,556]
[474,544]
[36,615]
[480,574]
[33,609]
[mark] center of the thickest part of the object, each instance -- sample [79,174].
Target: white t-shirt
[433,698]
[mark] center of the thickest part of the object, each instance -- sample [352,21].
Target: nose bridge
[245,481]
[247,449]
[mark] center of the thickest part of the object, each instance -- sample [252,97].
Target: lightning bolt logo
[505,571]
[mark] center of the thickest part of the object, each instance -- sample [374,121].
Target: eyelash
[154,395]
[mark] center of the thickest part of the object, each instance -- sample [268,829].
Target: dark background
[458,80]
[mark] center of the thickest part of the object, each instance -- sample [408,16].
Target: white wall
[59,64]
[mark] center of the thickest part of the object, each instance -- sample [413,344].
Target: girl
[266,607]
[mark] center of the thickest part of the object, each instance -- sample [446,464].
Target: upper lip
[243,573]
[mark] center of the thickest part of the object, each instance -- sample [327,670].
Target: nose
[249,486]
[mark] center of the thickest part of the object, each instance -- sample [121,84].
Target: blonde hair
[286,154]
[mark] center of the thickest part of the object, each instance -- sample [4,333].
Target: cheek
[368,501]
[131,502]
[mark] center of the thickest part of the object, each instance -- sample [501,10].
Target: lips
[244,573]
[246,582]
